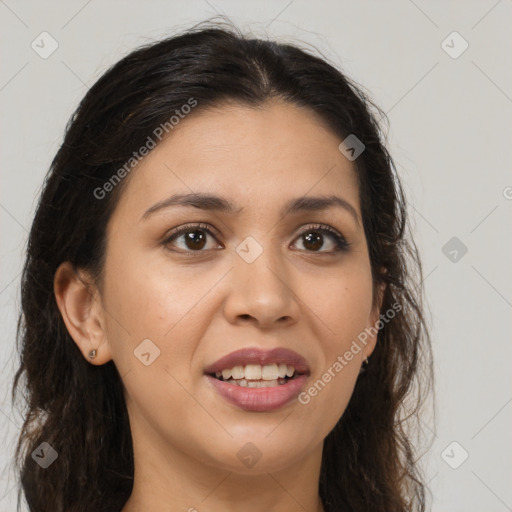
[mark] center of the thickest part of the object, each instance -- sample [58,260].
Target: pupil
[315,239]
[195,240]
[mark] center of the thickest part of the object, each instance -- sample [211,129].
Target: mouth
[259,381]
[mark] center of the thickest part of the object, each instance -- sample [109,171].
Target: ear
[372,328]
[79,302]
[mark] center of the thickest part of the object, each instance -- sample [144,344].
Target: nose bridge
[261,287]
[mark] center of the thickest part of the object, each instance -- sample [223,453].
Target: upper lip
[255,355]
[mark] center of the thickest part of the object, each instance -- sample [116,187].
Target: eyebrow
[216,203]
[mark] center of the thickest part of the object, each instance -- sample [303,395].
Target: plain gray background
[450,135]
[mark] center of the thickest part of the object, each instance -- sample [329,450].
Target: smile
[259,380]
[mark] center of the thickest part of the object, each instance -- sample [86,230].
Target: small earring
[92,353]
[363,366]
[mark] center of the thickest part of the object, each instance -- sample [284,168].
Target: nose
[261,292]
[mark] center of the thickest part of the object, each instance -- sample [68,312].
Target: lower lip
[259,399]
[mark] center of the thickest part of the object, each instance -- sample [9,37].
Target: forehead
[252,155]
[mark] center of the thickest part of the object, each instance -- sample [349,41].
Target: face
[253,277]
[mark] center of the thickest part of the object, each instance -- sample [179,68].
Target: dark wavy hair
[369,461]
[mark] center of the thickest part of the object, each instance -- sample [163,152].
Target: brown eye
[313,241]
[195,240]
[190,238]
[315,237]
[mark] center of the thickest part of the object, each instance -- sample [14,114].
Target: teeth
[270,372]
[261,384]
[237,372]
[255,383]
[252,371]
[256,372]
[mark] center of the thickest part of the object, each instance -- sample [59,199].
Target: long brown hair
[369,460]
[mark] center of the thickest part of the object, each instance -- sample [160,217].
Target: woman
[217,306]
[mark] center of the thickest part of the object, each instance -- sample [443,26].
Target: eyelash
[341,244]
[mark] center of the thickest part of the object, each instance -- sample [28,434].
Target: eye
[194,238]
[190,238]
[313,238]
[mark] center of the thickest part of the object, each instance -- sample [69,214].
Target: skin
[199,306]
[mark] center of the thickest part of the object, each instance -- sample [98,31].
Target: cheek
[348,311]
[144,301]
[150,298]
[168,305]
[153,320]
[343,314]
[344,305]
